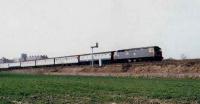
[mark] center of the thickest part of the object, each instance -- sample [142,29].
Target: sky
[70,27]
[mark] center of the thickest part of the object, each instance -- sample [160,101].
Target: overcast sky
[66,27]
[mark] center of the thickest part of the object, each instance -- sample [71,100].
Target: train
[151,53]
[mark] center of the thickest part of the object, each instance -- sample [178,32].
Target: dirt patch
[142,100]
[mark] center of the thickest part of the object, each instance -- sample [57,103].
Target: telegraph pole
[92,47]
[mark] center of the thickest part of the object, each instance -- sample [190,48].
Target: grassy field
[19,88]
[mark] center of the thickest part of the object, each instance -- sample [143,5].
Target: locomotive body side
[137,54]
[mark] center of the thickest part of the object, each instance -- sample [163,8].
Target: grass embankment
[76,89]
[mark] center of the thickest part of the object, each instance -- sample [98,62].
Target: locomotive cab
[158,53]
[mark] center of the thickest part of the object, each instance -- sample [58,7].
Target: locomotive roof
[139,48]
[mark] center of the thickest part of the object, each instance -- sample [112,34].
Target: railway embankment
[167,68]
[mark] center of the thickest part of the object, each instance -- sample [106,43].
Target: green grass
[76,89]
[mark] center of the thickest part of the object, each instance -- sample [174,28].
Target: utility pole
[92,47]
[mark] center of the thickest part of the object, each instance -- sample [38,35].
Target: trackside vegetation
[46,89]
